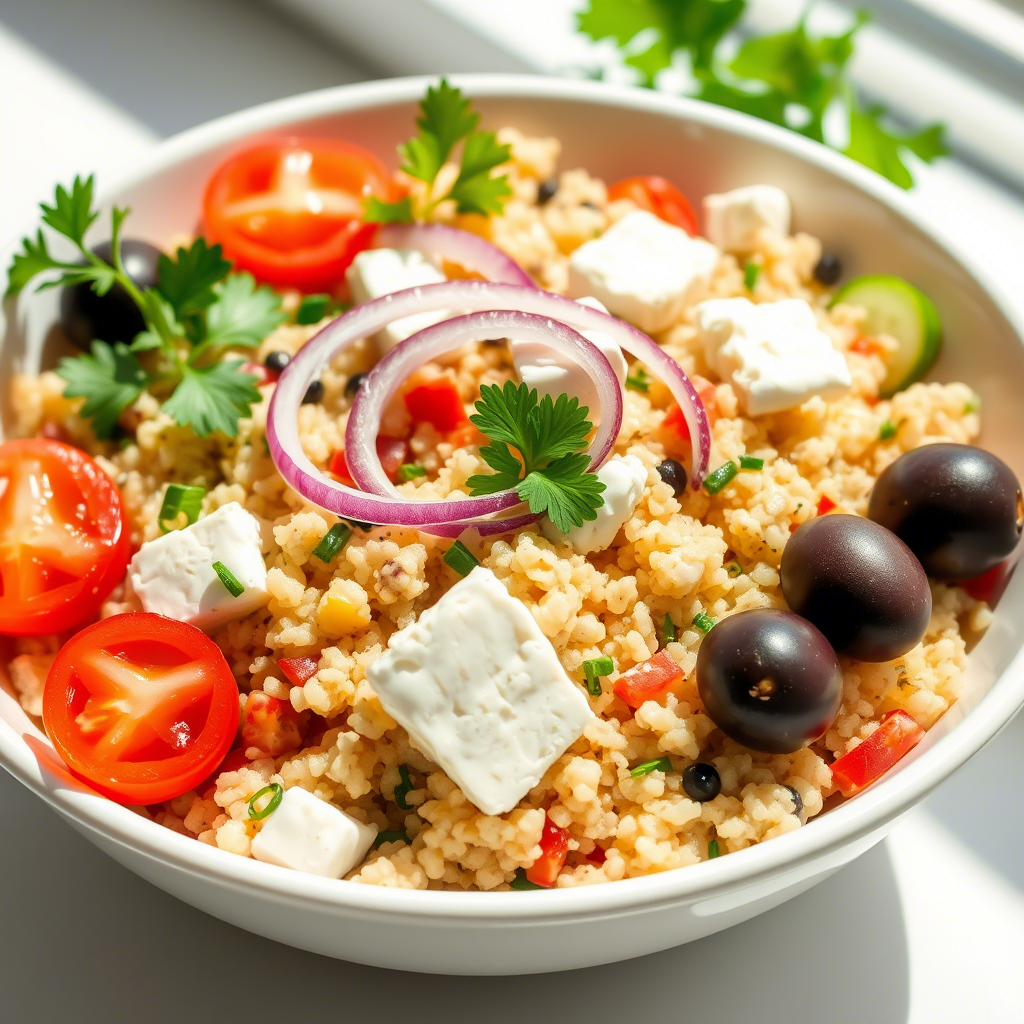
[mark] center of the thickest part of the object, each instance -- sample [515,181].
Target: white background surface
[926,928]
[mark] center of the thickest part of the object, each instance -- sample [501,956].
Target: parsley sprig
[550,472]
[790,78]
[193,316]
[447,118]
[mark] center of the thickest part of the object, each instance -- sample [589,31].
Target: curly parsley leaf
[507,471]
[242,314]
[110,379]
[187,281]
[881,149]
[213,398]
[377,211]
[475,189]
[446,117]
[503,414]
[33,259]
[565,491]
[71,213]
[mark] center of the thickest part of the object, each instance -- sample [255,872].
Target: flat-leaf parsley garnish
[192,316]
[550,473]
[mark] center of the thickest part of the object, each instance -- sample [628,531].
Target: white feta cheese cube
[552,374]
[174,576]
[378,272]
[480,690]
[624,478]
[732,220]
[308,834]
[644,270]
[774,353]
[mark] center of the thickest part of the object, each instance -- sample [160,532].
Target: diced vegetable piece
[703,622]
[593,669]
[178,499]
[668,630]
[228,578]
[389,837]
[270,724]
[657,196]
[661,764]
[897,734]
[989,586]
[461,559]
[719,478]
[333,541]
[313,308]
[887,431]
[403,788]
[298,670]
[751,275]
[713,850]
[521,883]
[260,806]
[749,462]
[826,505]
[438,403]
[675,421]
[554,848]
[410,471]
[648,680]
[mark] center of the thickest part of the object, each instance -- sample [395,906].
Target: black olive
[701,782]
[314,393]
[113,316]
[674,474]
[277,360]
[769,680]
[958,508]
[546,191]
[354,383]
[828,269]
[859,584]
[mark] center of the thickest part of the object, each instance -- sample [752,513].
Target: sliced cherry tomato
[897,734]
[270,725]
[298,670]
[141,707]
[674,420]
[648,680]
[290,210]
[392,452]
[63,542]
[658,196]
[989,586]
[437,402]
[554,848]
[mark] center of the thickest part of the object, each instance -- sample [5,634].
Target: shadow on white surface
[784,966]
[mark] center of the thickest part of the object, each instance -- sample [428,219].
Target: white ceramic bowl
[612,132]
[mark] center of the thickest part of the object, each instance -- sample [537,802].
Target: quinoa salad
[480,524]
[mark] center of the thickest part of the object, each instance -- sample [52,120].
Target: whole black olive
[958,508]
[828,269]
[276,361]
[859,584]
[769,680]
[113,316]
[353,384]
[674,474]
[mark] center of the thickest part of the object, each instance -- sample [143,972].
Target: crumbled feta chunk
[173,575]
[378,272]
[643,270]
[732,220]
[480,690]
[624,479]
[774,354]
[553,374]
[308,834]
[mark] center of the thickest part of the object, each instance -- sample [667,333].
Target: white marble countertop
[926,928]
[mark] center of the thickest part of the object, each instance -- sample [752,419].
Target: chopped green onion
[178,499]
[593,669]
[266,445]
[663,764]
[389,837]
[749,462]
[973,404]
[713,849]
[703,622]
[228,578]
[270,806]
[751,274]
[461,559]
[521,883]
[887,430]
[668,630]
[734,569]
[402,789]
[715,481]
[639,381]
[334,540]
[312,309]
[410,470]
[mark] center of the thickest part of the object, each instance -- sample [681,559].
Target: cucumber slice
[897,308]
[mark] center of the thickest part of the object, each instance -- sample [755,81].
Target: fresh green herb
[703,622]
[461,559]
[228,578]
[668,630]
[662,764]
[178,499]
[447,118]
[715,481]
[550,473]
[389,837]
[973,404]
[593,669]
[713,849]
[333,541]
[639,381]
[312,309]
[277,794]
[751,274]
[410,471]
[402,789]
[194,314]
[734,569]
[790,78]
[887,431]
[750,462]
[521,883]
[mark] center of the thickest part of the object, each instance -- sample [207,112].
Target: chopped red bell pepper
[554,848]
[674,420]
[648,680]
[392,452]
[260,372]
[826,505]
[864,346]
[989,586]
[436,402]
[897,734]
[298,670]
[596,856]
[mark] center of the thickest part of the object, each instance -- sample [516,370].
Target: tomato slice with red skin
[290,210]
[871,759]
[270,725]
[658,196]
[392,452]
[648,680]
[64,545]
[438,403]
[298,670]
[554,848]
[141,707]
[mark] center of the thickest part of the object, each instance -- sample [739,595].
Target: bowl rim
[841,826]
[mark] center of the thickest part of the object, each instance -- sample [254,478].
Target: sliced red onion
[471,252]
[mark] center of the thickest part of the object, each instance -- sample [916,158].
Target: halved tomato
[290,210]
[63,542]
[141,707]
[657,196]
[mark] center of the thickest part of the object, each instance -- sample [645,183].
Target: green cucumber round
[898,309]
